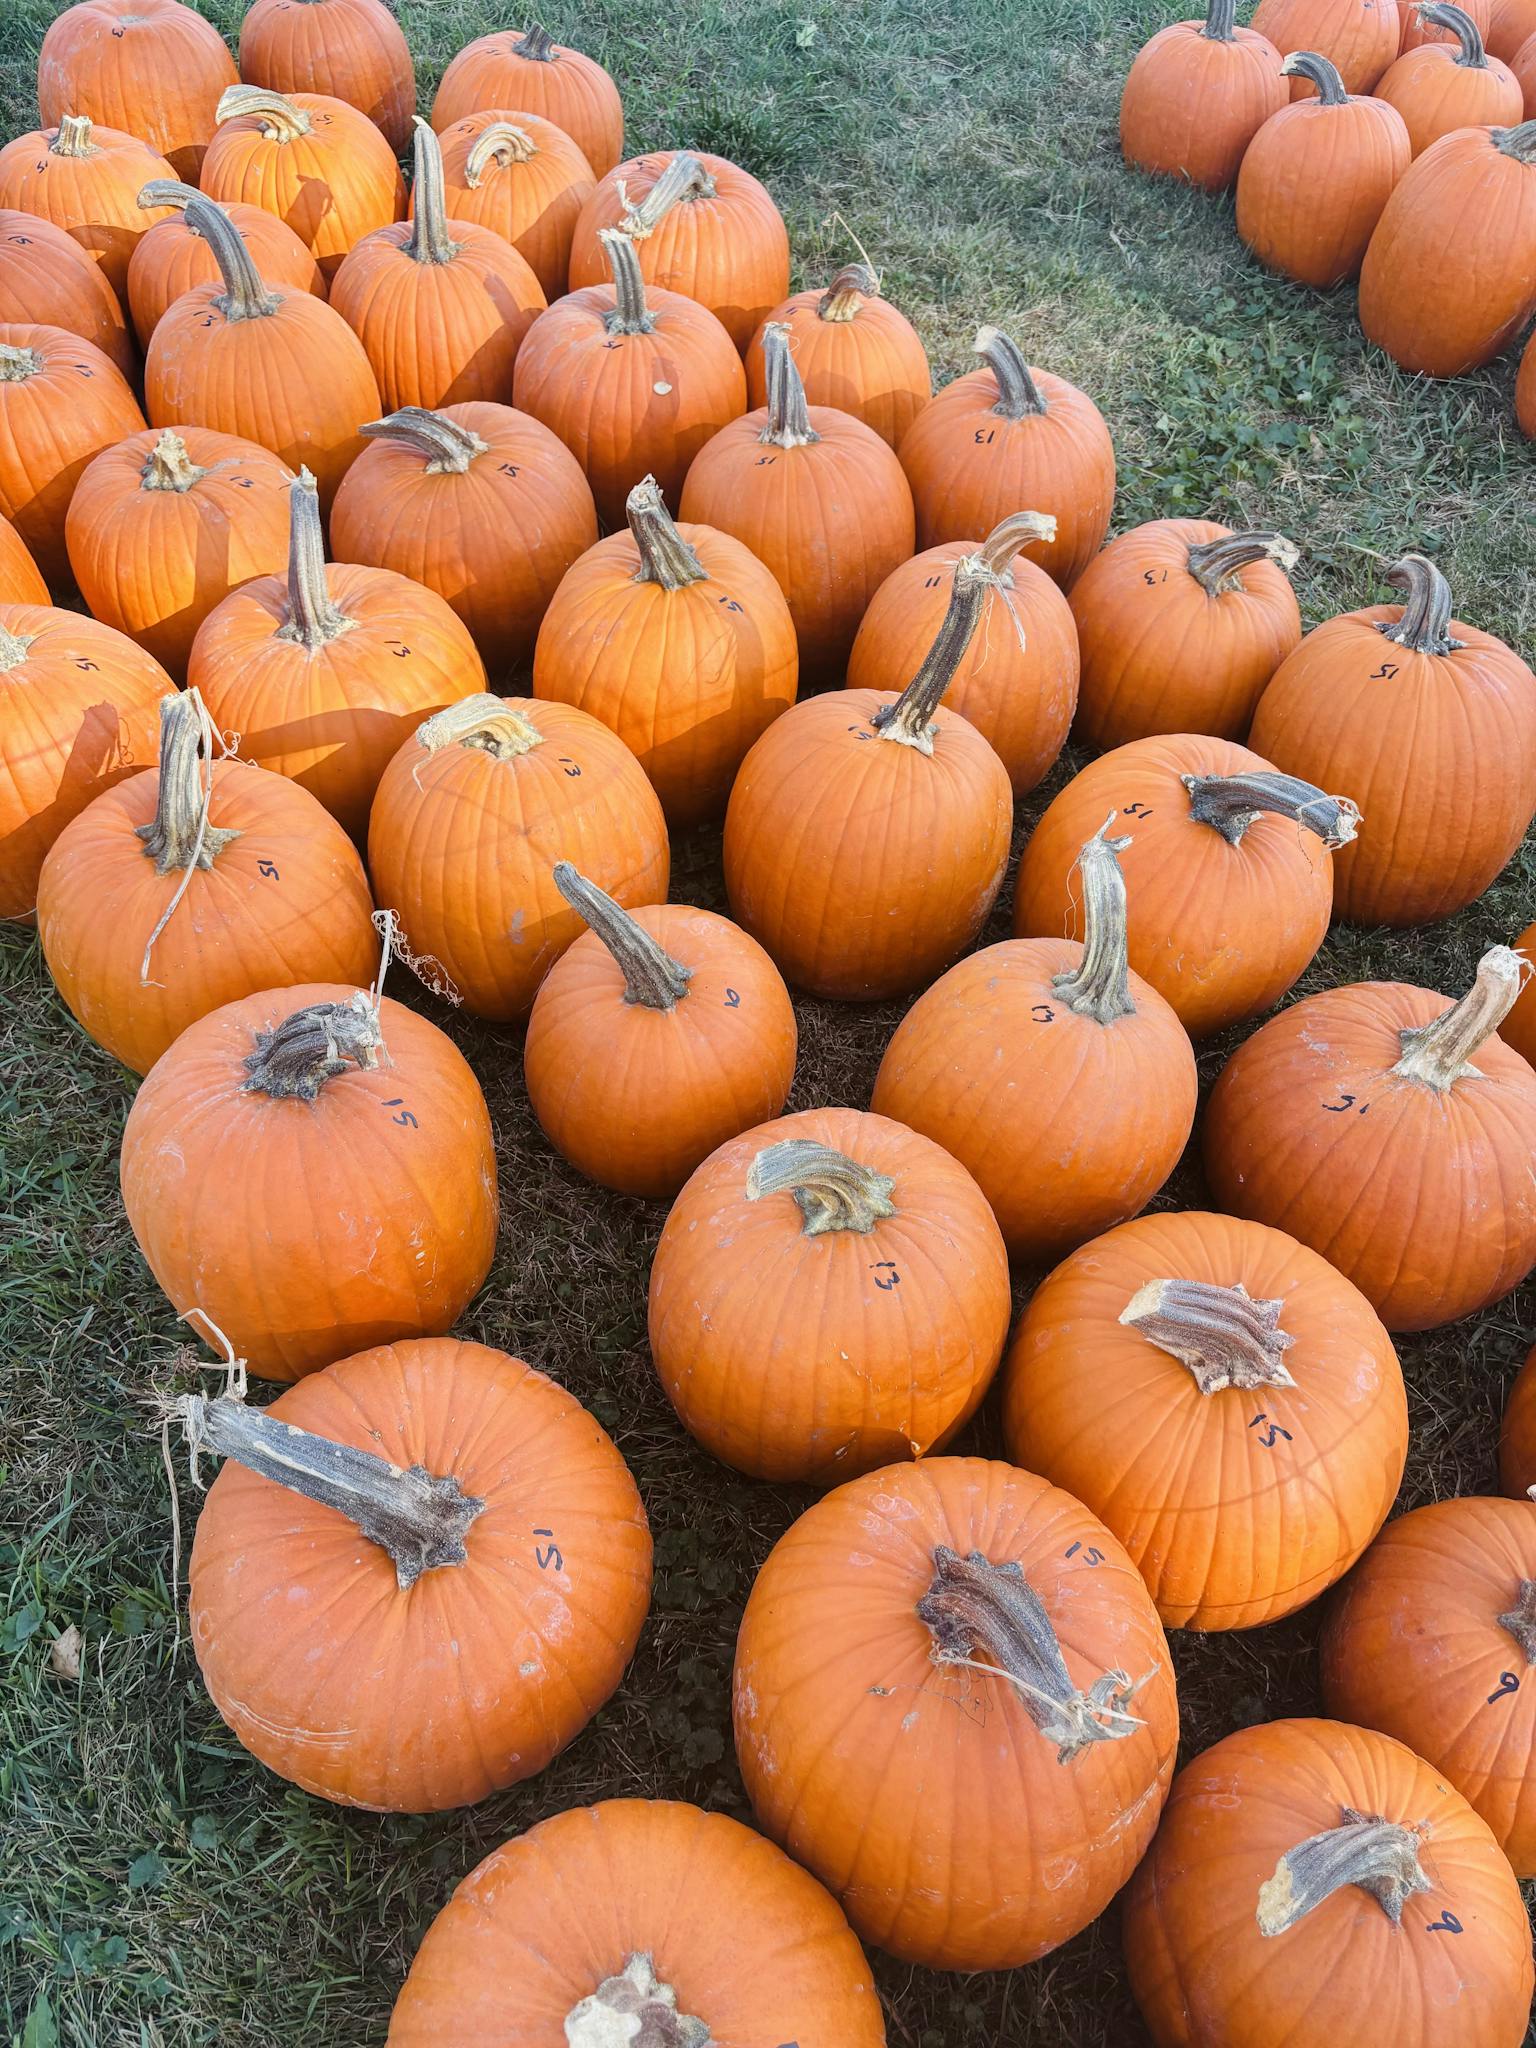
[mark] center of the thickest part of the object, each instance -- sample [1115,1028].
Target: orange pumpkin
[1359,37]
[854,351]
[479,503]
[1197,95]
[61,403]
[1519,1027]
[1058,1078]
[470,818]
[150,68]
[441,1508]
[1517,1440]
[1431,727]
[1394,1135]
[1229,1405]
[1523,64]
[1525,383]
[1510,26]
[1417,29]
[681,642]
[1008,436]
[47,280]
[818,497]
[175,257]
[353,50]
[1438,87]
[525,179]
[530,73]
[185,888]
[1229,871]
[21,581]
[86,179]
[955,1652]
[882,1251]
[659,1035]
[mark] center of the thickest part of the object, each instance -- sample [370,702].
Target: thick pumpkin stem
[501,144]
[988,1617]
[831,1191]
[281,121]
[1224,1336]
[1100,984]
[1220,21]
[13,649]
[1230,803]
[789,420]
[481,721]
[1011,537]
[167,192]
[1321,72]
[431,240]
[844,297]
[909,721]
[1378,1855]
[536,44]
[1521,1619]
[180,835]
[244,296]
[634,2007]
[665,557]
[446,445]
[1218,565]
[1425,625]
[1017,392]
[1439,15]
[313,620]
[168,466]
[312,1047]
[73,137]
[630,313]
[1519,143]
[684,180]
[651,976]
[18,364]
[1441,1053]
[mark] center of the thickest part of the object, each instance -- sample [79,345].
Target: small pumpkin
[1229,873]
[1418,29]
[1510,26]
[634,382]
[1358,37]
[1439,87]
[1007,436]
[882,1251]
[1517,1439]
[61,403]
[352,50]
[854,351]
[470,818]
[1227,1403]
[21,581]
[681,642]
[522,177]
[1197,95]
[947,1653]
[149,68]
[48,280]
[86,179]
[479,503]
[657,1036]
[175,257]
[530,73]
[1519,1027]
[1393,1133]
[1060,1080]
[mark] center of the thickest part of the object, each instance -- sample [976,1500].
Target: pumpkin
[1060,1080]
[1449,278]
[1510,26]
[471,816]
[477,502]
[634,382]
[311,159]
[1007,436]
[1180,624]
[1523,64]
[638,1914]
[1519,1027]
[867,832]
[1438,88]
[659,1035]
[1227,1403]
[1197,95]
[1517,1440]
[1419,29]
[1316,176]
[77,713]
[21,581]
[352,50]
[311,1170]
[854,351]
[61,403]
[704,227]
[436,1507]
[1358,37]
[681,642]
[48,280]
[1418,1186]
[818,497]
[150,68]
[276,366]
[532,74]
[86,179]
[1306,1874]
[522,177]
[947,1653]
[174,257]
[1525,383]
[163,526]
[1229,871]
[1431,725]
[882,1251]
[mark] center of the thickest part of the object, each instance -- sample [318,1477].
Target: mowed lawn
[156,1885]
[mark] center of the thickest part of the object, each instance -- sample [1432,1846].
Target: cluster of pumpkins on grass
[953,1699]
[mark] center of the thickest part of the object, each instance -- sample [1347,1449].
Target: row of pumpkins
[1393,143]
[954,1701]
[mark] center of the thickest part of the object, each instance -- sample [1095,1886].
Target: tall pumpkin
[21,581]
[530,73]
[854,351]
[175,256]
[1359,37]
[352,50]
[1197,95]
[1438,88]
[1517,1439]
[522,177]
[150,68]
[61,403]
[48,280]
[86,178]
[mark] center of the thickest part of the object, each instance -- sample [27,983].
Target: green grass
[158,1887]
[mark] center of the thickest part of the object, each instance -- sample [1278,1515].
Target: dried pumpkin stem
[1437,14]
[446,445]
[789,420]
[1224,1336]
[244,297]
[1379,1856]
[1017,392]
[1100,984]
[651,976]
[168,466]
[1425,625]
[635,2006]
[281,121]
[1010,537]
[1319,71]
[1519,142]
[430,240]
[312,1047]
[1521,1619]
[74,137]
[180,835]
[684,180]
[482,721]
[844,297]
[313,619]
[630,314]
[1440,1053]
[1220,21]
[831,1191]
[909,721]
[1230,803]
[1217,565]
[13,649]
[536,44]
[18,364]
[665,557]
[502,144]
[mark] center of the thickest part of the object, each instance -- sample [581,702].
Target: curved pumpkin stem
[651,976]
[281,121]
[684,180]
[1438,14]
[168,466]
[1220,21]
[630,314]
[180,835]
[1230,803]
[536,44]
[831,1191]
[665,557]
[313,619]
[1100,985]
[1378,1855]
[1521,1619]
[633,2006]
[1425,625]
[244,297]
[1519,143]
[1321,71]
[313,1046]
[18,364]
[501,143]
[446,445]
[1440,1053]
[482,721]
[74,137]
[1217,565]
[789,421]
[1010,537]
[430,240]
[168,192]
[1224,1336]
[844,297]
[1018,394]
[909,720]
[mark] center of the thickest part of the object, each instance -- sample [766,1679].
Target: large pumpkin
[61,403]
[882,1251]
[1358,37]
[21,581]
[854,351]
[353,50]
[86,179]
[48,280]
[530,73]
[150,68]
[953,1701]
[523,177]
[1517,1439]
[1393,1133]
[1438,88]
[174,256]
[1197,95]
[1511,24]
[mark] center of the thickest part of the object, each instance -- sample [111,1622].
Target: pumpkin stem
[684,180]
[789,421]
[73,137]
[1519,143]
[168,466]
[1440,1053]
[1224,1336]
[313,1046]
[244,296]
[1438,14]
[974,1605]
[831,1191]
[313,620]
[1230,803]
[1017,392]
[909,720]
[1521,1619]
[1378,1855]
[167,192]
[1217,565]
[651,976]
[482,721]
[13,649]
[665,557]
[1322,72]
[500,143]
[1425,625]
[633,2007]
[1220,21]
[18,364]
[630,314]
[446,445]
[1100,984]
[281,121]
[180,835]
[430,239]
[844,297]
[1010,537]
[536,44]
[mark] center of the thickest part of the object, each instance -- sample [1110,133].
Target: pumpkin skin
[21,581]
[479,503]
[174,258]
[150,68]
[742,1940]
[48,280]
[386,1219]
[523,178]
[1430,725]
[854,351]
[86,179]
[1426,1202]
[1180,624]
[1008,436]
[822,1385]
[1517,1440]
[1197,95]
[1203,1972]
[1510,26]
[352,50]
[855,1757]
[479,1673]
[470,818]
[1438,88]
[530,74]
[1519,1027]
[1525,383]
[1232,1522]
[1359,37]
[77,713]
[1523,64]
[61,403]
[1416,31]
